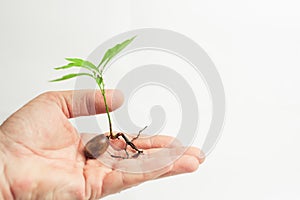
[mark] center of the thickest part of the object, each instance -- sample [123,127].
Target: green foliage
[112,52]
[96,71]
[77,62]
[69,76]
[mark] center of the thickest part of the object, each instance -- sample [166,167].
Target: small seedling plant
[99,144]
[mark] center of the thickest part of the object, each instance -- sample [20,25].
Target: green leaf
[110,53]
[90,65]
[74,60]
[77,62]
[69,76]
[66,66]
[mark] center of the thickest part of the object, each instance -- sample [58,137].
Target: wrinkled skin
[41,153]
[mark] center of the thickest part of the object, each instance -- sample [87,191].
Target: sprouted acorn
[98,145]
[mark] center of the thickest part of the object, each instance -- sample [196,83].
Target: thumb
[75,103]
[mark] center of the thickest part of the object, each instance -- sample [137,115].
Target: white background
[255,45]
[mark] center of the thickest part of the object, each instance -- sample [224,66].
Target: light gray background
[254,44]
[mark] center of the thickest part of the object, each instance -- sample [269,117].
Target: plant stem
[101,86]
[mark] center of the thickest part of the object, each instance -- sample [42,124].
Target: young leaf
[110,53]
[66,66]
[71,76]
[74,60]
[77,62]
[89,65]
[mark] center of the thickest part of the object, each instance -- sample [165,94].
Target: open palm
[42,153]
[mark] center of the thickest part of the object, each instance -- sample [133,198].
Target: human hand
[41,153]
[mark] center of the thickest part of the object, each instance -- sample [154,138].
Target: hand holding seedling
[41,154]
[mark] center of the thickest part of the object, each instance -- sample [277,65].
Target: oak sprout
[95,72]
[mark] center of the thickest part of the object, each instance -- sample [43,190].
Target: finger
[117,181]
[176,151]
[187,163]
[182,160]
[149,142]
[85,102]
[157,141]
